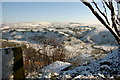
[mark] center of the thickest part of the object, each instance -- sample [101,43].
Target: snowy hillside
[100,36]
[105,68]
[83,50]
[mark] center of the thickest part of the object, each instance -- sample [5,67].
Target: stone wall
[11,63]
[6,63]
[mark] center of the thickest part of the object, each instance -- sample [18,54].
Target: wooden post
[18,70]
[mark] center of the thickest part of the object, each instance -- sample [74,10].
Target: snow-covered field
[83,43]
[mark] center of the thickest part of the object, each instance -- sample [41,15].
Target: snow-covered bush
[49,52]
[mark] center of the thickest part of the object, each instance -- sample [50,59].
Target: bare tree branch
[113,18]
[101,12]
[117,21]
[107,4]
[102,20]
[104,8]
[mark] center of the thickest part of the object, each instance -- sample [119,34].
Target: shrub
[50,51]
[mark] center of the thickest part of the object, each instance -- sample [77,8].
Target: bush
[50,51]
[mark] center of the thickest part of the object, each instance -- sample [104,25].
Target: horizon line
[54,22]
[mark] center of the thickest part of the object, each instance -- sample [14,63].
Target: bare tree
[111,24]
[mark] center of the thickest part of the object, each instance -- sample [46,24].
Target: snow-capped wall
[6,62]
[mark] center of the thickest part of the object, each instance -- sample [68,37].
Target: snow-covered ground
[109,62]
[105,68]
[56,66]
[83,43]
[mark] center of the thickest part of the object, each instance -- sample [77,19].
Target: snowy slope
[105,66]
[99,36]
